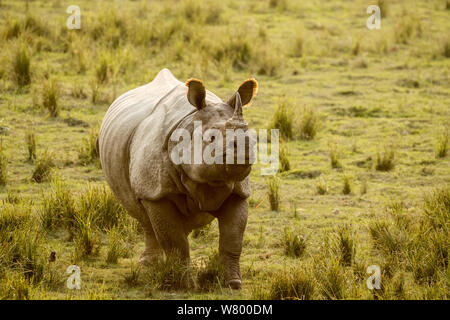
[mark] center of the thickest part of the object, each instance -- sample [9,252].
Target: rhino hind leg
[169,229]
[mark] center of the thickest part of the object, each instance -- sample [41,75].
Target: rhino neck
[205,196]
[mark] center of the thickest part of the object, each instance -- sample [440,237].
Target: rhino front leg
[152,250]
[169,228]
[232,221]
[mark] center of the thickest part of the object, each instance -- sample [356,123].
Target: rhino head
[218,128]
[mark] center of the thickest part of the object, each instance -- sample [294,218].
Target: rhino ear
[196,93]
[247,91]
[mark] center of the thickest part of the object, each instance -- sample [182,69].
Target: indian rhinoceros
[170,200]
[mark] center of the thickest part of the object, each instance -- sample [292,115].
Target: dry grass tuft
[273,185]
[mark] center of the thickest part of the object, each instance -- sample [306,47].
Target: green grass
[273,192]
[87,152]
[442,145]
[43,167]
[294,243]
[282,120]
[3,166]
[21,67]
[50,97]
[309,124]
[385,160]
[292,284]
[337,91]
[347,186]
[30,141]
[334,157]
[285,165]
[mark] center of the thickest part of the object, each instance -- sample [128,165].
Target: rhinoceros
[170,200]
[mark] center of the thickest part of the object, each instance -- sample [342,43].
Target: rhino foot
[148,259]
[235,284]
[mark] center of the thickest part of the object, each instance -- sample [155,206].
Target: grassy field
[365,115]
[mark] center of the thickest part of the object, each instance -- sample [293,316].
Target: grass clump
[407,27]
[442,145]
[30,141]
[298,46]
[58,207]
[210,274]
[3,166]
[50,97]
[43,167]
[87,152]
[309,124]
[386,239]
[193,11]
[35,25]
[116,247]
[331,278]
[24,254]
[103,70]
[347,187]
[385,160]
[436,208]
[132,279]
[321,187]
[12,197]
[293,243]
[267,61]
[356,48]
[419,246]
[363,188]
[99,202]
[11,218]
[171,274]
[445,50]
[294,284]
[282,120]
[334,158]
[12,29]
[383,4]
[281,5]
[428,252]
[346,246]
[87,241]
[273,185]
[284,158]
[16,287]
[95,91]
[21,67]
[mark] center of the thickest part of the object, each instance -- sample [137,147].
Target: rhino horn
[237,119]
[238,108]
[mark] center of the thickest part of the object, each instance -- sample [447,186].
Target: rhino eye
[213,138]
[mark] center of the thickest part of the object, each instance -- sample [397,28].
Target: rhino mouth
[216,183]
[237,172]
